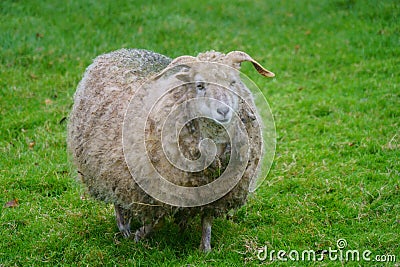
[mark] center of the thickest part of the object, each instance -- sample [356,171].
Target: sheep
[120,147]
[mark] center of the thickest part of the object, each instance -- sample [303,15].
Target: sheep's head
[217,87]
[215,91]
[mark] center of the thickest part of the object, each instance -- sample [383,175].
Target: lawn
[335,100]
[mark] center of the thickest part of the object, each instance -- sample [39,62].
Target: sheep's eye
[200,86]
[233,83]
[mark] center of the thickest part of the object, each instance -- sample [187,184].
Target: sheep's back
[95,125]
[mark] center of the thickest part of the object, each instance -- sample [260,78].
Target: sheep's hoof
[205,247]
[126,233]
[123,217]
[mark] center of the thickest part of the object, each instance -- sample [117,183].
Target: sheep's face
[218,101]
[215,93]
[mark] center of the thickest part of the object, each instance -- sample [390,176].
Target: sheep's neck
[215,132]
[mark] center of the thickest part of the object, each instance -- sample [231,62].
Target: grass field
[335,99]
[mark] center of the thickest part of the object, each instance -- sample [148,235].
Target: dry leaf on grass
[32,145]
[12,203]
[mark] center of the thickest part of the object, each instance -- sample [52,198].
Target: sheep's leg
[143,231]
[205,244]
[123,217]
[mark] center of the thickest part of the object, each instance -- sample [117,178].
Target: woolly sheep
[107,93]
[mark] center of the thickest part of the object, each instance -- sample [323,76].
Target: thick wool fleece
[95,137]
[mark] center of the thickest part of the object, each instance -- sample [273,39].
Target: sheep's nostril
[223,111]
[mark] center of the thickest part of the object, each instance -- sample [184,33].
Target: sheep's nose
[223,111]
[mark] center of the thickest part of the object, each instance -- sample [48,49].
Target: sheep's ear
[237,57]
[183,74]
[184,77]
[179,72]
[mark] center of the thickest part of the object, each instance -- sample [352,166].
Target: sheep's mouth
[225,120]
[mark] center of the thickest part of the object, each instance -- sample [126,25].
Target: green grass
[335,99]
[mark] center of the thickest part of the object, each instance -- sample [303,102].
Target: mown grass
[336,102]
